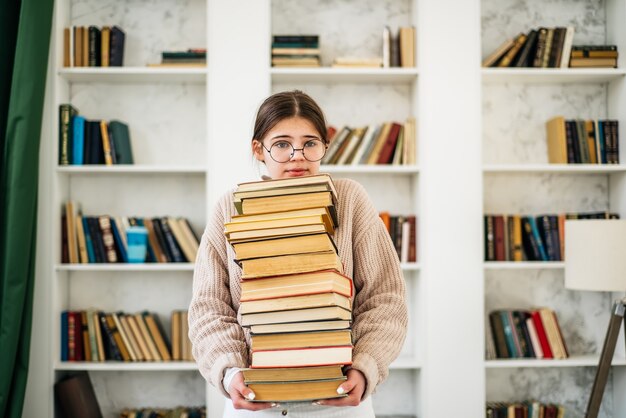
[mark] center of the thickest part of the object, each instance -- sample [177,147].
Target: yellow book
[106,143]
[295,302]
[557,140]
[300,244]
[289,264]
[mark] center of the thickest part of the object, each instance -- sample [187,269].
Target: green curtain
[24,41]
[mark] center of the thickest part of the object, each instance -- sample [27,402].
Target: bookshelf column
[449,129]
[238,80]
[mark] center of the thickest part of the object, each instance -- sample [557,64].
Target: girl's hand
[241,396]
[354,386]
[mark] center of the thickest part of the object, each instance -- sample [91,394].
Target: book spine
[177,254]
[107,239]
[96,238]
[66,111]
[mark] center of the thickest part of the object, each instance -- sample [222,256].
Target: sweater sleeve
[380,311]
[217,339]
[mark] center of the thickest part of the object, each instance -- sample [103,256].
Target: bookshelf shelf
[551,75]
[574,361]
[405,363]
[152,267]
[410,266]
[343,75]
[131,169]
[378,169]
[523,265]
[134,75]
[555,168]
[126,366]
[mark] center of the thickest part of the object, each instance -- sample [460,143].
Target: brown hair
[285,105]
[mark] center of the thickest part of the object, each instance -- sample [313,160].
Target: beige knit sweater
[368,256]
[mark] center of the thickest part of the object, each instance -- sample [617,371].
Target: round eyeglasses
[282,151]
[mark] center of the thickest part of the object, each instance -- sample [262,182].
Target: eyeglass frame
[293,153]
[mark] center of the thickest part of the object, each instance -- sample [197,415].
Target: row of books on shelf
[77,399]
[399,48]
[387,143]
[296,51]
[104,238]
[530,238]
[403,232]
[192,57]
[83,141]
[525,409]
[550,47]
[91,46]
[294,296]
[525,334]
[582,141]
[97,336]
[178,412]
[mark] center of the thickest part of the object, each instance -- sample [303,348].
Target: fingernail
[274,404]
[250,396]
[340,390]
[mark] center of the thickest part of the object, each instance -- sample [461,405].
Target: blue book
[601,142]
[508,335]
[535,232]
[150,256]
[118,241]
[78,139]
[88,242]
[64,341]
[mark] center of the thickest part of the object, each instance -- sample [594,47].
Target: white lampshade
[595,255]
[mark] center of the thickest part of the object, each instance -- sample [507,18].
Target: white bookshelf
[574,361]
[201,118]
[551,75]
[517,180]
[111,366]
[133,75]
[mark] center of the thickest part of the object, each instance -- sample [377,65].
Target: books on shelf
[295,298]
[403,232]
[525,334]
[102,238]
[530,238]
[91,46]
[543,47]
[178,412]
[97,336]
[192,57]
[388,143]
[295,51]
[83,141]
[582,141]
[530,409]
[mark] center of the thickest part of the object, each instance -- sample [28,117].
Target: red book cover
[541,334]
[498,223]
[78,335]
[386,153]
[412,238]
[71,336]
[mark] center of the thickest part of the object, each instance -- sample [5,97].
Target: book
[239,223]
[293,374]
[76,397]
[290,202]
[119,136]
[557,140]
[159,337]
[301,340]
[286,182]
[296,285]
[325,313]
[263,234]
[296,391]
[295,302]
[66,113]
[299,327]
[302,357]
[300,244]
[493,58]
[238,196]
[116,52]
[289,264]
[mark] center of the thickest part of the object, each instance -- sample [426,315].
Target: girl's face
[289,134]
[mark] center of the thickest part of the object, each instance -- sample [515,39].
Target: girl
[290,139]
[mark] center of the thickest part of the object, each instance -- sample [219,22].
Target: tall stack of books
[295,51]
[294,296]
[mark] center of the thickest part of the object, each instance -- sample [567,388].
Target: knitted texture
[368,256]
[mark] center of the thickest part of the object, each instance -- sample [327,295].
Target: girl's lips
[297,171]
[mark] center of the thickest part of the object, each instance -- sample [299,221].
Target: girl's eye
[282,145]
[313,143]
